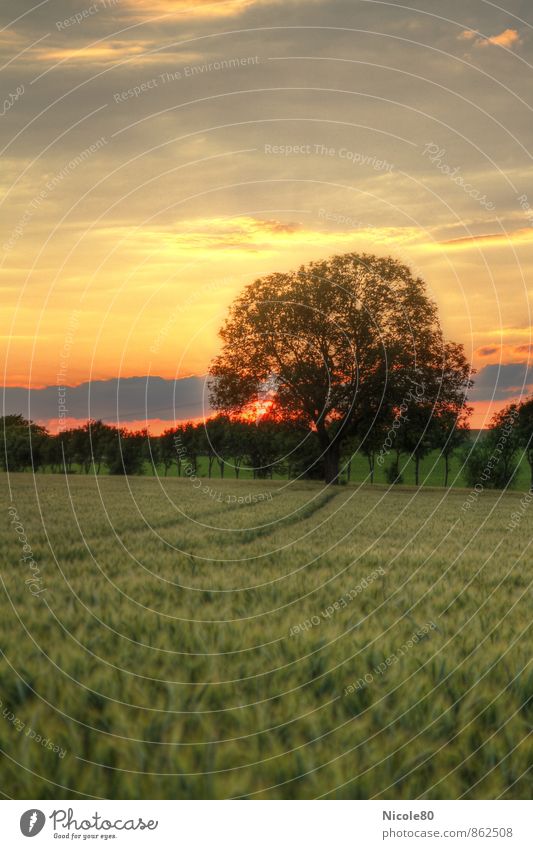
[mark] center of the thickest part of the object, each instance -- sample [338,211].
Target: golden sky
[158,156]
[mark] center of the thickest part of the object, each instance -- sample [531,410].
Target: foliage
[22,444]
[335,342]
[492,463]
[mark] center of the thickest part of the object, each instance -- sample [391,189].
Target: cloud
[502,382]
[487,350]
[273,226]
[525,234]
[115,401]
[245,232]
[467,35]
[191,8]
[111,51]
[507,38]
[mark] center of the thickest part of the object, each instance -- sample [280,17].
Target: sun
[256,410]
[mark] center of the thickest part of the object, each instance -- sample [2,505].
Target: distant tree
[150,448]
[504,437]
[98,434]
[81,447]
[329,342]
[22,444]
[349,448]
[264,447]
[67,444]
[238,434]
[86,445]
[492,462]
[126,452]
[53,453]
[371,436]
[525,431]
[214,438]
[416,434]
[393,474]
[450,431]
[300,453]
[167,450]
[190,439]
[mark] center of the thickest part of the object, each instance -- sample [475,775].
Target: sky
[158,156]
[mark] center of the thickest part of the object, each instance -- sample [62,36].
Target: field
[263,640]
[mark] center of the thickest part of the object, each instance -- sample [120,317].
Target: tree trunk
[222,464]
[417,468]
[349,470]
[331,464]
[446,469]
[371,466]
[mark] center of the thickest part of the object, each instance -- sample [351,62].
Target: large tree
[334,343]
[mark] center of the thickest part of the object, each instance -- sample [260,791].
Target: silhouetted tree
[22,443]
[492,462]
[213,437]
[525,430]
[329,342]
[450,431]
[167,450]
[125,452]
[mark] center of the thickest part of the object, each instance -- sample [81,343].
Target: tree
[370,439]
[416,437]
[126,452]
[450,431]
[54,453]
[330,342]
[525,431]
[213,437]
[492,462]
[22,443]
[167,451]
[237,443]
[264,447]
[98,434]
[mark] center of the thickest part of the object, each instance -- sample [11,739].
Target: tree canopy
[337,346]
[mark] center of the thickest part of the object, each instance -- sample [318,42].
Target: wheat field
[264,640]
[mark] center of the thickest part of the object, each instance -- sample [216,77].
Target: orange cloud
[525,234]
[488,350]
[192,8]
[508,352]
[105,52]
[504,39]
[205,234]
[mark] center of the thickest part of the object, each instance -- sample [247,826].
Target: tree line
[343,355]
[270,446]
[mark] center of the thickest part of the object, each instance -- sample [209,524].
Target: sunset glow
[171,168]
